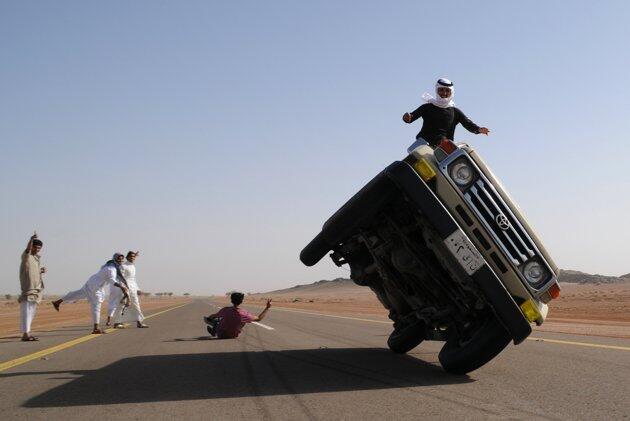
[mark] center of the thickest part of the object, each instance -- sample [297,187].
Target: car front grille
[500,222]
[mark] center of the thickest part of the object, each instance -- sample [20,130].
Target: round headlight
[534,272]
[462,173]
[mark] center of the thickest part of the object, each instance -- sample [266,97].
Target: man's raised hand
[268,303]
[484,130]
[407,118]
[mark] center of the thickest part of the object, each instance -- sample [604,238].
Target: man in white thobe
[132,312]
[114,302]
[32,286]
[94,289]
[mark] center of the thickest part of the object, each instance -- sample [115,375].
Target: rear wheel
[314,251]
[407,338]
[463,356]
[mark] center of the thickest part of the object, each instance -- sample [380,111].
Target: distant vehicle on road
[447,252]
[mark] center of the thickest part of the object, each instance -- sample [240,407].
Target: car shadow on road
[198,338]
[159,378]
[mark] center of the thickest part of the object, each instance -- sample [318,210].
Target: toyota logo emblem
[502,222]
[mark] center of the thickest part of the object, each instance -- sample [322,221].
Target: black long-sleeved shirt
[440,122]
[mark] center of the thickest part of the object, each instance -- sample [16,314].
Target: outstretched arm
[469,125]
[414,115]
[29,245]
[264,312]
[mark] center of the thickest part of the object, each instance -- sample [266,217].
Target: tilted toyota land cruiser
[446,251]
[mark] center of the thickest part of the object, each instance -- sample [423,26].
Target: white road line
[591,345]
[389,322]
[531,338]
[262,325]
[537,339]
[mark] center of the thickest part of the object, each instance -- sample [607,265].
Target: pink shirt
[232,321]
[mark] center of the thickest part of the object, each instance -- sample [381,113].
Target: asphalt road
[308,367]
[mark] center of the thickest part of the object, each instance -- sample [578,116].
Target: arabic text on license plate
[464,251]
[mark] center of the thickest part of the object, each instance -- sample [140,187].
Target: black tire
[314,251]
[484,345]
[404,340]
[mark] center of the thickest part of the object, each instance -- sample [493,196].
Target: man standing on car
[440,116]
[32,286]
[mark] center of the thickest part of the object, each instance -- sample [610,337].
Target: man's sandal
[30,339]
[98,332]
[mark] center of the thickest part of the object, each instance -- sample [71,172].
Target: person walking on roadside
[94,289]
[440,116]
[32,286]
[132,312]
[228,322]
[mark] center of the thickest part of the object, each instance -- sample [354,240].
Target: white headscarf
[438,101]
[113,261]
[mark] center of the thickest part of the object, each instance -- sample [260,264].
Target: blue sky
[217,138]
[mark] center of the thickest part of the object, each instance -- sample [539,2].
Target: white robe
[27,313]
[113,302]
[132,313]
[94,290]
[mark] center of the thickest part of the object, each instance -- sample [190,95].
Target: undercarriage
[400,241]
[394,256]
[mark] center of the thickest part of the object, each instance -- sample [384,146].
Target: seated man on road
[229,321]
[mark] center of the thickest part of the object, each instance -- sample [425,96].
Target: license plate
[464,251]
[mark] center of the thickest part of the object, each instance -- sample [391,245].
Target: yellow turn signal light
[530,310]
[425,169]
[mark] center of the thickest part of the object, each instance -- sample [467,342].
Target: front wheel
[461,357]
[405,339]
